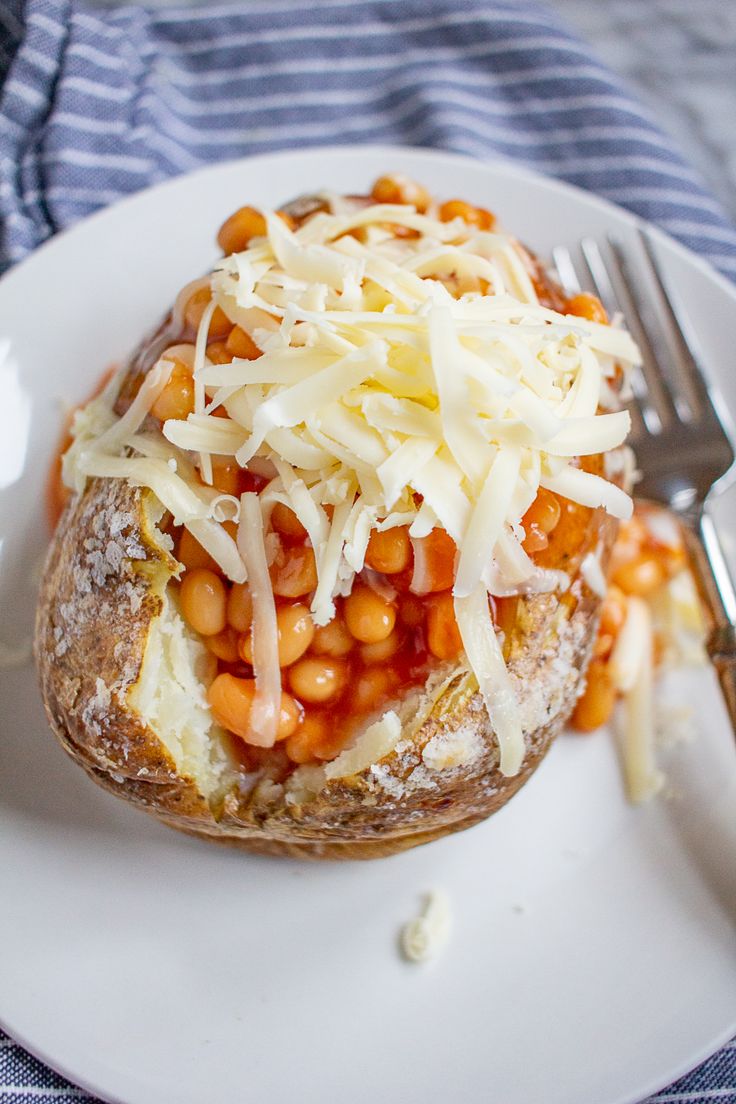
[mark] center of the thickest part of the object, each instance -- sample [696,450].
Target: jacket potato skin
[102,590]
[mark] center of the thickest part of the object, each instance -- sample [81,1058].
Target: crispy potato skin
[102,589]
[99,593]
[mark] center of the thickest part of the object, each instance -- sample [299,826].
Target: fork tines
[677,418]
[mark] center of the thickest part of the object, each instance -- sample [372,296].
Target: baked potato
[129,663]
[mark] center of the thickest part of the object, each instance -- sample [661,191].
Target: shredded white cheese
[424,936]
[267,701]
[374,744]
[380,395]
[643,777]
[592,573]
[484,654]
[633,645]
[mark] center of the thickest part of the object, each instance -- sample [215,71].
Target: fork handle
[716,586]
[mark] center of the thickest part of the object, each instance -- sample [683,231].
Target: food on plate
[423,937]
[329,574]
[651,619]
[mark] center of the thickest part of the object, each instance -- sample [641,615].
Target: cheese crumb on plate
[424,937]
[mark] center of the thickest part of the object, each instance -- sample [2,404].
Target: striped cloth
[94,106]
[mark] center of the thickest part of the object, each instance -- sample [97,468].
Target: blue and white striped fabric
[94,106]
[98,105]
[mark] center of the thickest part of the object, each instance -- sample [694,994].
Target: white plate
[592,957]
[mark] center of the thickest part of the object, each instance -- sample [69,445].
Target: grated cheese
[267,701]
[643,777]
[487,520]
[483,650]
[424,936]
[380,395]
[378,740]
[592,573]
[632,645]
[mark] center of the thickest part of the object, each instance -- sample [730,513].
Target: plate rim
[653,1087]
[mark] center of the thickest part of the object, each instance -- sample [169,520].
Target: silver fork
[683,450]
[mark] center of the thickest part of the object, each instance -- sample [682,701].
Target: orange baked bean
[226,475]
[317,679]
[217,352]
[595,707]
[191,553]
[382,649]
[411,610]
[370,689]
[400,189]
[237,230]
[294,572]
[220,324]
[203,600]
[289,718]
[304,744]
[285,521]
[368,616]
[587,306]
[299,747]
[177,398]
[295,632]
[332,639]
[474,216]
[390,551]
[240,344]
[438,551]
[240,607]
[539,520]
[641,576]
[231,701]
[224,645]
[443,636]
[331,746]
